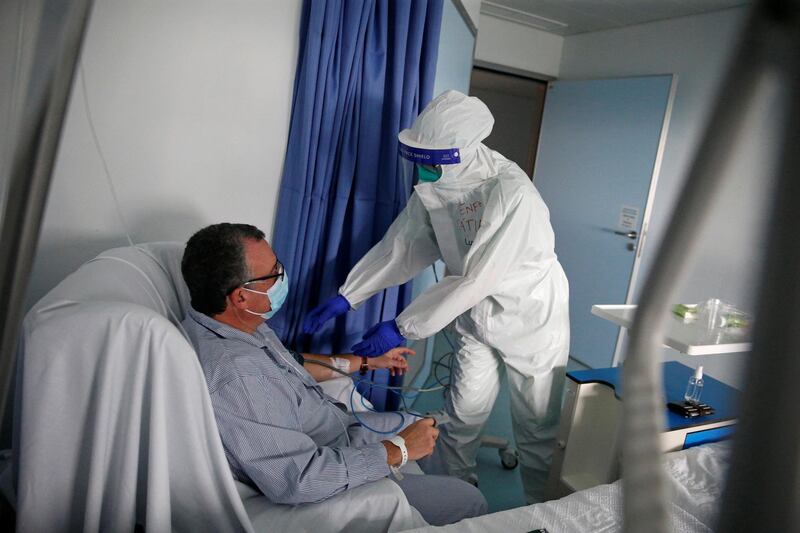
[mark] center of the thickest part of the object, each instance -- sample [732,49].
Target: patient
[280,431]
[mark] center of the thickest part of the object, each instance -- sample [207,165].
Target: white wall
[473,8]
[518,46]
[191,100]
[697,49]
[454,61]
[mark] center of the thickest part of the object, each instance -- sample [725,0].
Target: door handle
[629,234]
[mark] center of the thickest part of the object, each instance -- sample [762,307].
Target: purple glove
[338,305]
[379,339]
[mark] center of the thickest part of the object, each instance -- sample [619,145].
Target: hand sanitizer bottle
[695,387]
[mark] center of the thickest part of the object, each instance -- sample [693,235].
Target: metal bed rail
[762,493]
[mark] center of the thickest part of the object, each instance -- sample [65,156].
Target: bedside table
[587,443]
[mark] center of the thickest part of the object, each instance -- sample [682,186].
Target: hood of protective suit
[456,122]
[451,120]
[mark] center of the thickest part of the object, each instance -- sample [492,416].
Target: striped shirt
[280,431]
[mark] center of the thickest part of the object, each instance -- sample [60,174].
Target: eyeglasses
[279,275]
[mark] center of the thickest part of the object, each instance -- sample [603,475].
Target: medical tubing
[390,388]
[645,490]
[437,364]
[117,206]
[363,403]
[375,383]
[96,140]
[364,424]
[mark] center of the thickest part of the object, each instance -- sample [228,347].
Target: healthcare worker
[504,287]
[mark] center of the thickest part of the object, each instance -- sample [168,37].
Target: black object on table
[690,410]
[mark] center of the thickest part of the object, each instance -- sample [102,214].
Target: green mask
[428,173]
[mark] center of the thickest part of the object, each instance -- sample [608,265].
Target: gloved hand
[379,339]
[338,305]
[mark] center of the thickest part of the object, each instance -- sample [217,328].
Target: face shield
[421,164]
[412,173]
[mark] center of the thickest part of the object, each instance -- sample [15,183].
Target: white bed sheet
[696,478]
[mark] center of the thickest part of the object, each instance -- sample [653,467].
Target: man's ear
[237,298]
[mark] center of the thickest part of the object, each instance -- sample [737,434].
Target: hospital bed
[114,427]
[696,480]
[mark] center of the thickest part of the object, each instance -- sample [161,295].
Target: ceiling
[569,17]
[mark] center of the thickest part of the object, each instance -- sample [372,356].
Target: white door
[597,165]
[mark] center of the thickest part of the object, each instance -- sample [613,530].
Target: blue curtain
[365,71]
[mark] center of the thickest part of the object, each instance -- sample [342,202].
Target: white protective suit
[504,287]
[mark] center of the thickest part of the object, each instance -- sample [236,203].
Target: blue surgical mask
[276,294]
[428,173]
